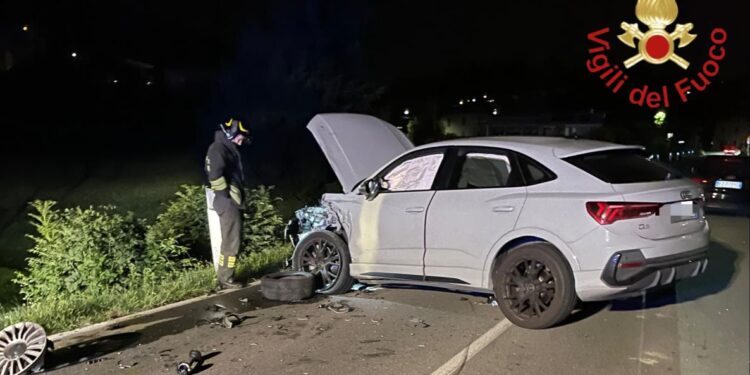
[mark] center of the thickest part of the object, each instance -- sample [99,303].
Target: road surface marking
[455,364]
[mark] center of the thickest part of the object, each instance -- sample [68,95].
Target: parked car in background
[540,222]
[725,180]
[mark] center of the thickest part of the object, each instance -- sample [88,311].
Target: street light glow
[25,28]
[461,102]
[149,83]
[115,81]
[484,96]
[659,118]
[74,55]
[406,112]
[494,112]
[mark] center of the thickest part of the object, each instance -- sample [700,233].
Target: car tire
[325,255]
[534,286]
[287,286]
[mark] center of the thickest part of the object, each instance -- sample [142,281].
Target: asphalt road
[699,327]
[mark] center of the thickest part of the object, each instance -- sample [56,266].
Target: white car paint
[457,234]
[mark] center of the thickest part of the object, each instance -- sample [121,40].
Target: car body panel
[462,227]
[356,145]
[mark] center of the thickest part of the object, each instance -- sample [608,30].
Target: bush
[184,219]
[82,309]
[91,264]
[262,225]
[93,250]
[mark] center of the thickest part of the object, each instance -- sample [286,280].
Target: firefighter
[226,178]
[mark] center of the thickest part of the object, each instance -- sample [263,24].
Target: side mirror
[370,189]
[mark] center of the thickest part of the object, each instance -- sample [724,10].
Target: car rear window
[623,167]
[722,166]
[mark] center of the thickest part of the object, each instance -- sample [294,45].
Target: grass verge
[83,310]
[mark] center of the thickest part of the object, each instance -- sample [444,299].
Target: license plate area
[683,211]
[724,184]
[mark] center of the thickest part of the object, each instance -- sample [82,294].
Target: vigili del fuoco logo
[654,45]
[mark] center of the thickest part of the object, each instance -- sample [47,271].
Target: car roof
[558,146]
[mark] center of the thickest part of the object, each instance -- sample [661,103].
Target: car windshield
[623,167]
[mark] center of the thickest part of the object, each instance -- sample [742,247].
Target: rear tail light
[608,212]
[699,180]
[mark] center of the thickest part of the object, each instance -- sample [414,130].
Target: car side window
[414,174]
[535,173]
[487,170]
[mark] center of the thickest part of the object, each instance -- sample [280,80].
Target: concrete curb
[121,321]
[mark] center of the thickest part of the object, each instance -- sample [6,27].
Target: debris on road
[243,300]
[123,366]
[231,320]
[359,287]
[337,307]
[195,361]
[419,323]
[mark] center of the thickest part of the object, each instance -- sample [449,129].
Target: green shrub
[262,225]
[82,309]
[92,250]
[184,219]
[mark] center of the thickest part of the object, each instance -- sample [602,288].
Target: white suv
[537,221]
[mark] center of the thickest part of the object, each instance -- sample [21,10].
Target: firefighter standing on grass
[226,178]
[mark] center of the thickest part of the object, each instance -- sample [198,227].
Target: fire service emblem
[655,45]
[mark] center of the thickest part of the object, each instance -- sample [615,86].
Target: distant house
[474,124]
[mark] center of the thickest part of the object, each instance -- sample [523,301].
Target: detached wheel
[534,286]
[22,348]
[325,255]
[287,286]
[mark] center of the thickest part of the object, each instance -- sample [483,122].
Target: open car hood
[356,145]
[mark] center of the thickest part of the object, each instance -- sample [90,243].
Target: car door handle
[415,210]
[503,209]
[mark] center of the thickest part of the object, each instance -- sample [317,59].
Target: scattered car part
[231,320]
[22,348]
[287,286]
[419,323]
[187,368]
[337,307]
[535,285]
[325,255]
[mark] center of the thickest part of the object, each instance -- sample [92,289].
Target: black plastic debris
[195,361]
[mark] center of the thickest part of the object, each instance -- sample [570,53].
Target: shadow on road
[719,275]
[89,350]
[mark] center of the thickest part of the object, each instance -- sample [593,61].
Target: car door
[389,234]
[481,203]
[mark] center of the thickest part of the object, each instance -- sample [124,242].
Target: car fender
[539,233]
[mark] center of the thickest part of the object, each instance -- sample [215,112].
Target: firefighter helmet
[233,127]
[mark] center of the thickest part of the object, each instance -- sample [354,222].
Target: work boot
[225,276]
[230,283]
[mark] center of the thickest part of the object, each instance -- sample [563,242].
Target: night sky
[181,67]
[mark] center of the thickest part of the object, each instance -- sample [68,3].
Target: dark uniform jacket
[224,170]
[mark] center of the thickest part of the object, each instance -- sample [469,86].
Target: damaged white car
[540,222]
